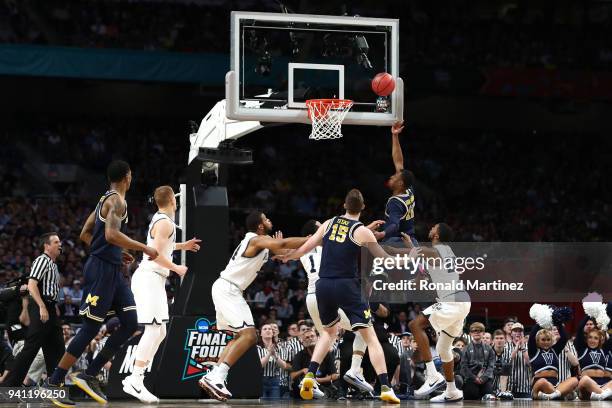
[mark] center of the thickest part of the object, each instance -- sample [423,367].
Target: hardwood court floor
[333,404]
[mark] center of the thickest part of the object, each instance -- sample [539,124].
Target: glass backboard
[278,61]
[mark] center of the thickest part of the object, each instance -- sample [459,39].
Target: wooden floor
[331,404]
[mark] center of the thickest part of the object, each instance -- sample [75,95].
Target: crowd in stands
[488,187]
[446,33]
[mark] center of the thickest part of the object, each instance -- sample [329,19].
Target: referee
[44,330]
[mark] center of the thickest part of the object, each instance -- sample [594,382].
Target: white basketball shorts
[448,317]
[149,289]
[233,312]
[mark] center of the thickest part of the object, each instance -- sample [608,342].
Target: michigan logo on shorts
[203,344]
[92,300]
[367,313]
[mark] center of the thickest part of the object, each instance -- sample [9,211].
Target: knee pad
[359,344]
[81,340]
[444,347]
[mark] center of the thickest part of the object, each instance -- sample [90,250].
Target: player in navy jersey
[106,291]
[544,360]
[399,210]
[338,287]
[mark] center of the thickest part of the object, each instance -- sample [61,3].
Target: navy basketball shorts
[345,294]
[105,292]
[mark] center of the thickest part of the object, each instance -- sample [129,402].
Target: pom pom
[603,321]
[594,309]
[561,315]
[542,314]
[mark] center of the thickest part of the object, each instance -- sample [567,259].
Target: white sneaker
[446,396]
[387,395]
[215,387]
[430,385]
[357,381]
[133,385]
[606,394]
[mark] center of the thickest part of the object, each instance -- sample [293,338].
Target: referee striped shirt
[45,272]
[396,342]
[564,364]
[271,369]
[502,360]
[520,378]
[288,350]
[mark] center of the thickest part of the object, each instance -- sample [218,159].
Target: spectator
[401,326]
[520,378]
[477,366]
[486,339]
[503,366]
[76,292]
[271,363]
[324,375]
[68,310]
[508,328]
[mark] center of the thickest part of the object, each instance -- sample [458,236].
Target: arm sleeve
[560,345]
[39,268]
[579,342]
[395,211]
[532,348]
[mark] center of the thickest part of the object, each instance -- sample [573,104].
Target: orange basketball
[383,84]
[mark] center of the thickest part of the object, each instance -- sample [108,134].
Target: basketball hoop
[327,116]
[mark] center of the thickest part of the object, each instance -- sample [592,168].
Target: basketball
[383,84]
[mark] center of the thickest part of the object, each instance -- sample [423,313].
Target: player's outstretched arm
[307,246]
[366,238]
[278,246]
[396,148]
[112,227]
[161,231]
[192,245]
[87,231]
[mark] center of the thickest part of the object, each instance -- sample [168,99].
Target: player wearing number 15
[338,287]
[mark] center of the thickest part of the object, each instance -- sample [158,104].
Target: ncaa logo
[202,325]
[204,343]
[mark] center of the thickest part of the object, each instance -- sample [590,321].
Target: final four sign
[203,344]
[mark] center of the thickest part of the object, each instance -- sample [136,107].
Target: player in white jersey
[149,288]
[446,317]
[232,311]
[312,263]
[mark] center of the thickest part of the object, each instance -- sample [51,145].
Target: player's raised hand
[193,245]
[374,225]
[127,258]
[407,240]
[397,127]
[278,235]
[151,252]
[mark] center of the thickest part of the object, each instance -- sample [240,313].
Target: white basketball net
[327,116]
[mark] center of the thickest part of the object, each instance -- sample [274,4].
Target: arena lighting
[361,44]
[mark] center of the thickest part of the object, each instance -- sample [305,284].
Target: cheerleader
[595,383]
[544,360]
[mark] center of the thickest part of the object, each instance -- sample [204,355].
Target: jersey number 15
[338,233]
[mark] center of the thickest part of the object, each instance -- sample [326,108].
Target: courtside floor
[330,404]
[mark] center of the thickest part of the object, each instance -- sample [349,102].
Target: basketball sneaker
[133,385]
[430,385]
[90,385]
[446,396]
[215,386]
[316,392]
[58,395]
[387,395]
[357,381]
[308,385]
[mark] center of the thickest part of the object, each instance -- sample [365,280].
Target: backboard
[278,61]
